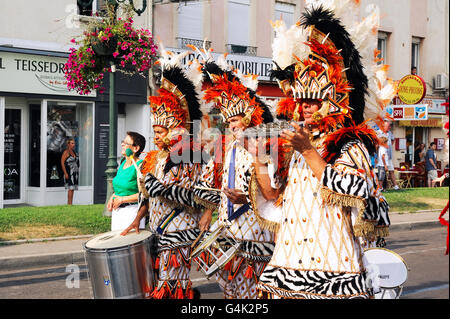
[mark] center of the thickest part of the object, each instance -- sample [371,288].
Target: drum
[387,271]
[120,267]
[214,251]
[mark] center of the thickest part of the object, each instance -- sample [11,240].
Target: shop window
[69,120]
[34,169]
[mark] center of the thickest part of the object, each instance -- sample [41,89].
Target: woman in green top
[123,203]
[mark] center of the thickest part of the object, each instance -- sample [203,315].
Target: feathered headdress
[233,92]
[177,104]
[334,60]
[328,37]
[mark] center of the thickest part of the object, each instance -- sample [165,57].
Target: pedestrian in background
[419,152]
[382,158]
[124,201]
[70,164]
[390,165]
[431,164]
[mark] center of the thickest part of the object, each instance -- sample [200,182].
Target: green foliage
[87,218]
[416,199]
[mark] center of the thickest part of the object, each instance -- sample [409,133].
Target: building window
[285,12]
[415,54]
[382,47]
[69,120]
[86,7]
[190,24]
[239,27]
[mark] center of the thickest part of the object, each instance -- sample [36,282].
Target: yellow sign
[411,89]
[423,123]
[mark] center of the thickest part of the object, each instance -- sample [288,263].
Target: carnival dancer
[332,205]
[240,211]
[170,173]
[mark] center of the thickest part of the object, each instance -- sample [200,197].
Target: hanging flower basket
[103,41]
[105,48]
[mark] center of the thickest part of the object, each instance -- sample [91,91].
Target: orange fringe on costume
[286,108]
[149,162]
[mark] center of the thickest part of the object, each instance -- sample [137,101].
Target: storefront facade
[409,133]
[38,115]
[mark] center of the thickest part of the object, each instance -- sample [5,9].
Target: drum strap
[166,221]
[241,210]
[231,180]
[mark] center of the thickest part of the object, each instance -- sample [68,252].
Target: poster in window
[58,133]
[11,188]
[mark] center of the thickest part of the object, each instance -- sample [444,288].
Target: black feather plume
[324,21]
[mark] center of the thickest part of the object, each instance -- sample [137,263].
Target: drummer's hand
[298,140]
[205,220]
[134,225]
[235,196]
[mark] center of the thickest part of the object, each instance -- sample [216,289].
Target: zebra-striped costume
[174,219]
[239,277]
[324,228]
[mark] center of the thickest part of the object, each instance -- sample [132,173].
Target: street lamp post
[111,166]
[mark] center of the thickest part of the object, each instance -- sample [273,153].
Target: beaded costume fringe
[363,227]
[205,203]
[264,223]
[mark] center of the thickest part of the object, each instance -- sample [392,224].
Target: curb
[415,225]
[39,240]
[8,263]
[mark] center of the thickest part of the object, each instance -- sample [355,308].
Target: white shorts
[432,174]
[123,217]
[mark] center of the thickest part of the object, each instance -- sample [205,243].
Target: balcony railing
[183,42]
[242,49]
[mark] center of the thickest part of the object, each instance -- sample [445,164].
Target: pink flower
[115,54]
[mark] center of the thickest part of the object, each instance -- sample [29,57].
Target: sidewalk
[58,251]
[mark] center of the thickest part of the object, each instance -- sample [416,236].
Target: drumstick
[197,239]
[214,189]
[129,153]
[208,189]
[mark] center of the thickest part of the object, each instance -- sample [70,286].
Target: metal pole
[111,166]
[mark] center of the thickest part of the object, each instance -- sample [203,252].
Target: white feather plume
[288,43]
[364,35]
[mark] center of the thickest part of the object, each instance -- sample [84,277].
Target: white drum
[120,266]
[387,271]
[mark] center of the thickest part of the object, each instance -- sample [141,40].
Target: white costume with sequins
[317,254]
[239,277]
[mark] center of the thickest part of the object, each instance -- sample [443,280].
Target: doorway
[13,166]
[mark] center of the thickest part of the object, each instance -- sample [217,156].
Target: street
[422,249]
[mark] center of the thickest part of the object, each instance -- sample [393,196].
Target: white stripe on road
[426,289]
[421,251]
